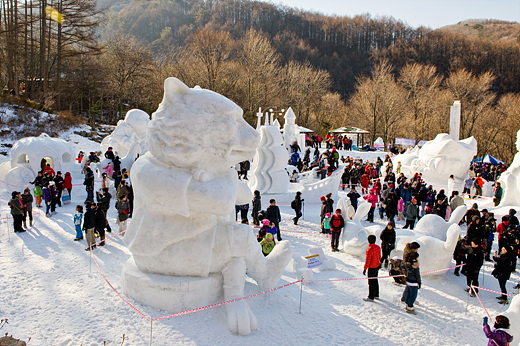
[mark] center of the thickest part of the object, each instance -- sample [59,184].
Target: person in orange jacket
[372,265]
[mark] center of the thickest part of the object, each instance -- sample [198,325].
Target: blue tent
[490,159]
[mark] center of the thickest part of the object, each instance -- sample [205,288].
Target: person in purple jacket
[498,337]
[47,198]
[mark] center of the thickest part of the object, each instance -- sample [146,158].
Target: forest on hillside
[100,58]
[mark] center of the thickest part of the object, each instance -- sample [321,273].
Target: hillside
[495,30]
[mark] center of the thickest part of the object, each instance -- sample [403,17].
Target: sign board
[406,142]
[313,261]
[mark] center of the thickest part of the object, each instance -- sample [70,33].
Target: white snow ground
[51,292]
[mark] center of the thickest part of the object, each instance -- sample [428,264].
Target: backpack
[475,183]
[293,204]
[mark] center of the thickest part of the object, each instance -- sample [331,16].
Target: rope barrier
[487,289]
[480,300]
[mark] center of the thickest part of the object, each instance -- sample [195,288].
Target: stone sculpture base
[170,293]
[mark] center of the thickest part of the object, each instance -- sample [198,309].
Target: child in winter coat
[38,194]
[336,224]
[372,199]
[78,217]
[400,209]
[325,225]
[413,283]
[498,337]
[267,244]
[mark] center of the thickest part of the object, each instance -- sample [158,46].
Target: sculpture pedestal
[170,293]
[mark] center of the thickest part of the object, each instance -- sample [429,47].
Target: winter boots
[410,310]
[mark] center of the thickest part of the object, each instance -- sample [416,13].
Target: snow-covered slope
[52,291]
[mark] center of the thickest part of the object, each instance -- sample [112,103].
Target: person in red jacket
[48,169]
[365,182]
[67,182]
[336,224]
[372,265]
[502,227]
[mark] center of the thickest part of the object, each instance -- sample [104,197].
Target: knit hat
[415,245]
[14,194]
[327,215]
[391,223]
[265,222]
[322,198]
[338,211]
[269,237]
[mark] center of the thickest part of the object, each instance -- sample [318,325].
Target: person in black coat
[387,242]
[272,213]
[89,224]
[474,261]
[89,185]
[459,255]
[353,195]
[104,200]
[257,206]
[101,223]
[58,180]
[502,271]
[296,204]
[391,205]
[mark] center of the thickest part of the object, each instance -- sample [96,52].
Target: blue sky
[431,13]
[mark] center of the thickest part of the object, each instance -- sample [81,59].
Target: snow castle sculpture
[26,159]
[268,171]
[186,250]
[291,133]
[510,179]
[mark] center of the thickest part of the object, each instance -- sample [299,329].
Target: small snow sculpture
[291,132]
[186,250]
[354,235]
[513,314]
[510,179]
[440,158]
[268,170]
[128,132]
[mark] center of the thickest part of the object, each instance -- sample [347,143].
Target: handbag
[65,197]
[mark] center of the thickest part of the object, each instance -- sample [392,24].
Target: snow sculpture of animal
[436,237]
[354,235]
[126,162]
[128,133]
[185,190]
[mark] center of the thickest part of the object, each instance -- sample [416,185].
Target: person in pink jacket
[372,199]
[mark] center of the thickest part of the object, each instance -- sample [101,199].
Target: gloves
[485,320]
[364,272]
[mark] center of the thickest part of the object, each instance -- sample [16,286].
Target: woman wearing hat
[387,242]
[16,211]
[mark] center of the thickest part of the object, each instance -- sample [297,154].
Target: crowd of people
[395,197]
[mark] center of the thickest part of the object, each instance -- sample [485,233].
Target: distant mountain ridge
[495,30]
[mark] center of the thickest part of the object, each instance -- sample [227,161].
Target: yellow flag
[54,14]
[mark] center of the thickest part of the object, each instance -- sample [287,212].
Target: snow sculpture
[354,235]
[268,170]
[436,236]
[291,133]
[127,133]
[440,158]
[300,264]
[126,162]
[513,313]
[510,179]
[26,159]
[186,250]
